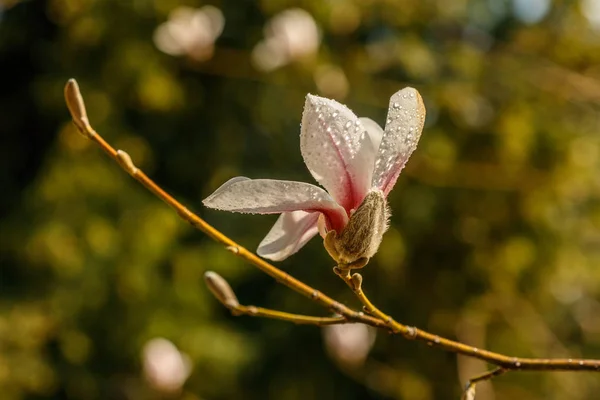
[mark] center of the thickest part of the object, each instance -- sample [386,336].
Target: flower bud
[76,105]
[362,236]
[221,289]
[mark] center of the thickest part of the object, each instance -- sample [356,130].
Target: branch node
[233,249]
[125,161]
[357,281]
[337,307]
[411,332]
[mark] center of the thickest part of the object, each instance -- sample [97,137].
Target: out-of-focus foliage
[495,235]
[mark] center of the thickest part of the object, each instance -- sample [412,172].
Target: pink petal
[331,140]
[268,196]
[289,234]
[406,116]
[364,161]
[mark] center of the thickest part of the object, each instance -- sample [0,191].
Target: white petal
[374,131]
[330,141]
[364,161]
[289,234]
[268,196]
[406,116]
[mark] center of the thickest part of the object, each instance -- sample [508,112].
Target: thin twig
[376,319]
[486,376]
[223,292]
[505,362]
[284,316]
[354,281]
[469,392]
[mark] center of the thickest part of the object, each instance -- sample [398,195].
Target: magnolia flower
[355,160]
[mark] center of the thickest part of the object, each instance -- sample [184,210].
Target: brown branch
[375,318]
[225,294]
[509,363]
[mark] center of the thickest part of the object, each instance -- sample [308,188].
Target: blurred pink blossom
[349,344]
[190,31]
[166,369]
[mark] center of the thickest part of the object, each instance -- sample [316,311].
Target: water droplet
[335,114]
[348,124]
[396,105]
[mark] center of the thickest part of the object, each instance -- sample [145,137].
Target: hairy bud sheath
[362,236]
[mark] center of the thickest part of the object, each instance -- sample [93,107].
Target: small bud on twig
[357,281]
[76,105]
[221,289]
[125,161]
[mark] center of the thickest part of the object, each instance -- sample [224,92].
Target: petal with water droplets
[268,196]
[330,141]
[406,116]
[289,234]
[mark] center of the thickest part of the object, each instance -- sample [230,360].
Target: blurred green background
[495,236]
